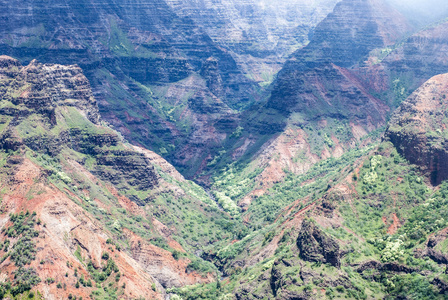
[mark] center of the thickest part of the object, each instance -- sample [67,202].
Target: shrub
[176,254]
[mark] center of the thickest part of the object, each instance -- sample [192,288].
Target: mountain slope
[319,106]
[84,212]
[142,58]
[417,59]
[344,39]
[259,34]
[418,128]
[367,225]
[319,109]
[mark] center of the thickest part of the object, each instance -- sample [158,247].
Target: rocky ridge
[320,106]
[337,45]
[317,107]
[377,187]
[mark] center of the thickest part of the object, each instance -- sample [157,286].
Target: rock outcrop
[421,55]
[389,267]
[51,90]
[317,246]
[277,277]
[319,89]
[342,40]
[395,72]
[352,30]
[42,88]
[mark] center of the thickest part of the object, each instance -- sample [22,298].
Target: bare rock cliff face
[49,90]
[319,89]
[44,87]
[418,128]
[422,53]
[352,30]
[343,39]
[260,34]
[137,55]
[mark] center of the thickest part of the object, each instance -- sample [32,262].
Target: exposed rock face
[289,295]
[417,128]
[341,40]
[163,267]
[433,250]
[43,87]
[317,246]
[421,54]
[391,267]
[63,227]
[326,91]
[437,256]
[139,56]
[336,76]
[259,34]
[128,168]
[320,89]
[49,90]
[314,90]
[395,72]
[442,285]
[257,25]
[354,28]
[277,279]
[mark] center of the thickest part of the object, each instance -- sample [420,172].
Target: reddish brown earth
[66,227]
[289,151]
[81,208]
[394,226]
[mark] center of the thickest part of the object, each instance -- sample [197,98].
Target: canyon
[222,150]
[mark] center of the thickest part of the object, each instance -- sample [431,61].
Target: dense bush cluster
[22,252]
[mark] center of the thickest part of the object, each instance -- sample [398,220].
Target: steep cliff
[320,106]
[81,211]
[141,58]
[259,34]
[316,246]
[366,225]
[416,60]
[344,39]
[374,212]
[418,128]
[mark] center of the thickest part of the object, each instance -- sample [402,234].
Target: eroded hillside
[369,225]
[82,212]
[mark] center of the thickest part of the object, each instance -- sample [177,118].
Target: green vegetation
[413,286]
[314,183]
[120,44]
[71,148]
[383,214]
[387,188]
[21,252]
